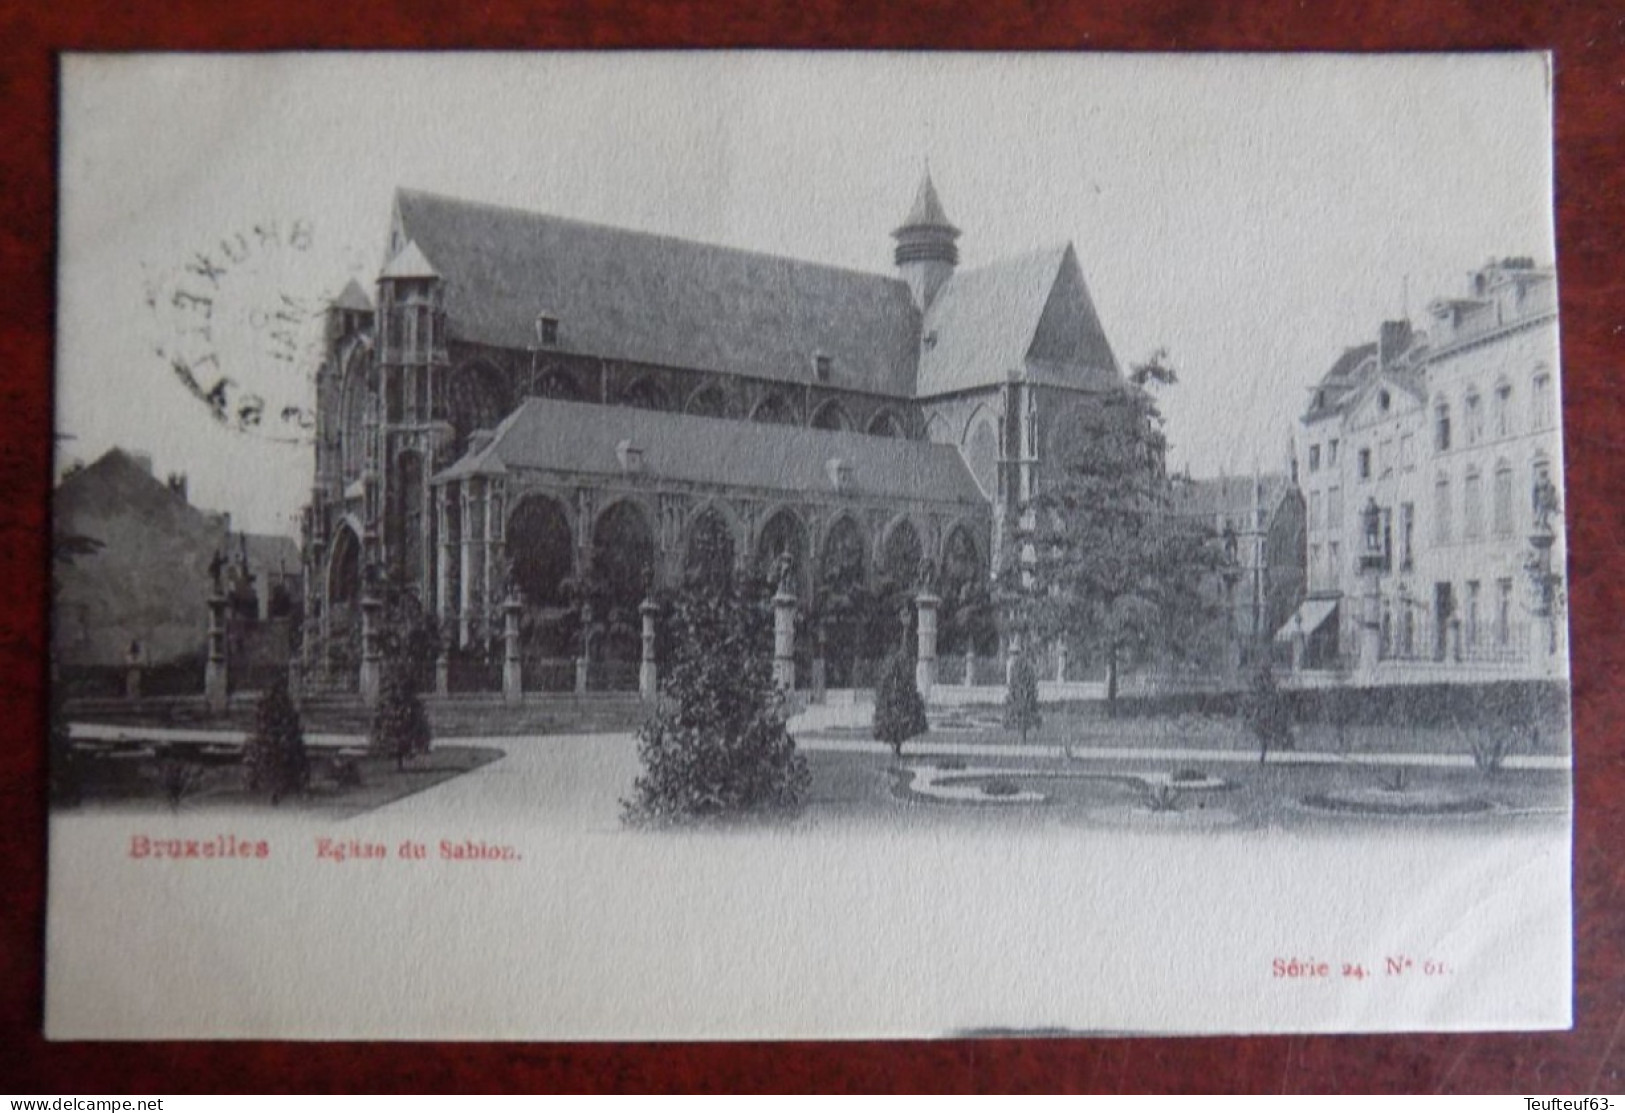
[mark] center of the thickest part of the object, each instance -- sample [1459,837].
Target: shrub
[1162,797]
[899,708]
[400,726]
[275,752]
[717,745]
[1021,711]
[1268,713]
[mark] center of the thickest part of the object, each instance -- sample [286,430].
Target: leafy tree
[899,708]
[275,754]
[717,745]
[1268,713]
[400,726]
[1101,558]
[1021,711]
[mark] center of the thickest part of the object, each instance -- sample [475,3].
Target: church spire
[926,252]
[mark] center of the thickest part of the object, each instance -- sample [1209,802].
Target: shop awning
[1310,616]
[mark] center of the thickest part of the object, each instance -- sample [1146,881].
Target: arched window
[831,415]
[708,559]
[774,410]
[556,383]
[783,535]
[707,402]
[478,398]
[1503,409]
[541,547]
[1472,506]
[645,394]
[886,424]
[1475,416]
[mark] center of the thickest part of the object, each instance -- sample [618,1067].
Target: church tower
[926,252]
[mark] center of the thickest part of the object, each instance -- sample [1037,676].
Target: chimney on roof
[926,252]
[177,484]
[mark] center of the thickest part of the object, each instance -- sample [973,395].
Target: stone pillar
[1370,625]
[513,682]
[784,640]
[1543,628]
[214,671]
[648,673]
[371,661]
[820,667]
[584,660]
[132,675]
[925,665]
[1063,654]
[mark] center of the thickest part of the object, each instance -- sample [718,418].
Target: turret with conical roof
[926,250]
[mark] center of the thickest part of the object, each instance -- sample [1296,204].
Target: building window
[1472,614]
[1441,427]
[1472,506]
[1334,508]
[1385,401]
[1441,510]
[1475,418]
[1542,404]
[1503,613]
[547,330]
[1314,458]
[1365,463]
[1316,576]
[1331,453]
[1503,499]
[1407,534]
[1334,564]
[1503,410]
[822,367]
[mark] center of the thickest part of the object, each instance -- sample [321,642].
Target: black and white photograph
[761,545]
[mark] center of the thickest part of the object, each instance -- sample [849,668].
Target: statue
[784,572]
[1545,500]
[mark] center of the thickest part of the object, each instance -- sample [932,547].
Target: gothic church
[526,405]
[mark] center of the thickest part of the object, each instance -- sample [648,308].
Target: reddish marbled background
[1589,41]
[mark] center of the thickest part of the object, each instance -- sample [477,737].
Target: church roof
[580,437]
[645,298]
[409,262]
[927,211]
[1028,316]
[353,297]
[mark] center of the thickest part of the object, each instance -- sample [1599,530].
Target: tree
[400,726]
[1101,559]
[1021,711]
[899,708]
[718,744]
[1268,713]
[275,754]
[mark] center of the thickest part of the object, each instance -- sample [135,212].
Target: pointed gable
[353,298]
[1025,317]
[1069,345]
[410,262]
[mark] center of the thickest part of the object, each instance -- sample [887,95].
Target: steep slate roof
[927,211]
[353,297]
[1228,494]
[1029,315]
[635,296]
[547,434]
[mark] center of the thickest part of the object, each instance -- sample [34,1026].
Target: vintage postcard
[737,546]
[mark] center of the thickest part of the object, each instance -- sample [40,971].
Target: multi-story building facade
[1427,462]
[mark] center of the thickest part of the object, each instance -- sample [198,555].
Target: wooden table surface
[1589,41]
